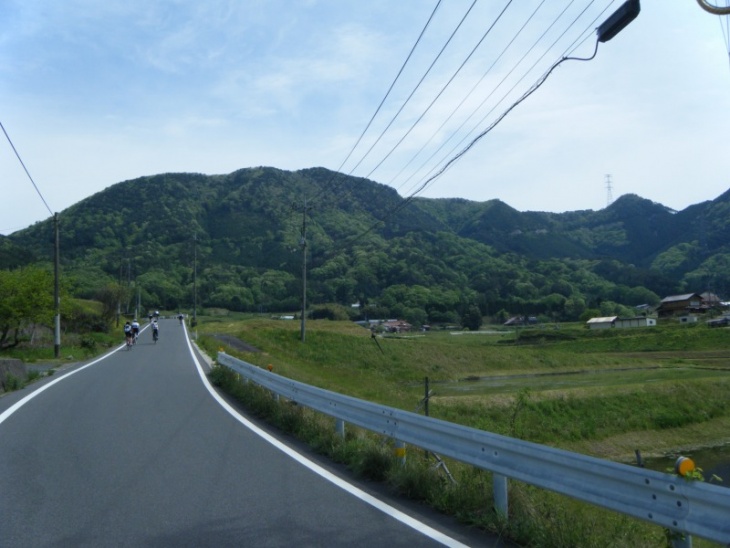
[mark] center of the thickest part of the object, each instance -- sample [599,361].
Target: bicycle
[155,335]
[129,343]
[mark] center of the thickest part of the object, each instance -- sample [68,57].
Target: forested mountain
[239,238]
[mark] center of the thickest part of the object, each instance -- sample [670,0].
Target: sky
[95,93]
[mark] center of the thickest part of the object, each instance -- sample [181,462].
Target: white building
[602,323]
[639,321]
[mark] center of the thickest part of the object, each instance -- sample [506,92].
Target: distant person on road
[128,333]
[155,331]
[180,317]
[135,330]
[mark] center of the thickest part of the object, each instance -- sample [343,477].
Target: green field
[597,392]
[659,390]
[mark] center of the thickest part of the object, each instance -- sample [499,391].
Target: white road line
[419,526]
[20,403]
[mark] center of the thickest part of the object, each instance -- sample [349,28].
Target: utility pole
[194,322]
[303,244]
[56,290]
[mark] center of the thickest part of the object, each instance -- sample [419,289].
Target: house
[620,323]
[602,323]
[639,321]
[681,304]
[688,319]
[521,320]
[396,326]
[711,300]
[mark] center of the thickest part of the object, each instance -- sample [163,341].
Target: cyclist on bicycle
[155,331]
[135,330]
[128,335]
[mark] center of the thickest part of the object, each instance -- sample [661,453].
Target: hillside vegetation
[235,241]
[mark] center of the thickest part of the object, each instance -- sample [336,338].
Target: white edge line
[317,469]
[20,403]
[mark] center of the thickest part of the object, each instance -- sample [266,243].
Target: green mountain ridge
[240,236]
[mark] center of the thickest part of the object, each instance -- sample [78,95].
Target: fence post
[400,451]
[501,501]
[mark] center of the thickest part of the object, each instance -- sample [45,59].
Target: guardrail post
[400,451]
[340,428]
[501,501]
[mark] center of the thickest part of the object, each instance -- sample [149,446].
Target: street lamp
[618,20]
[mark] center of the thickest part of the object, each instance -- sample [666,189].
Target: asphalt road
[136,449]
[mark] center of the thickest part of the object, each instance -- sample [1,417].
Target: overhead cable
[418,85]
[466,97]
[387,94]
[566,53]
[443,89]
[25,168]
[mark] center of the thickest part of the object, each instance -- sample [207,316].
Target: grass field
[568,387]
[660,390]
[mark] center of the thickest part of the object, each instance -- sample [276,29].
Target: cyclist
[155,331]
[180,318]
[128,335]
[135,330]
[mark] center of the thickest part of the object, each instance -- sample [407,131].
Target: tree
[472,319]
[26,298]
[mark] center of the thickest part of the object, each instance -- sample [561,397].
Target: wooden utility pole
[56,290]
[303,244]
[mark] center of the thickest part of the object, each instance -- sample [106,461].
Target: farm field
[604,393]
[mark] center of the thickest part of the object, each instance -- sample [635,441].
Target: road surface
[137,449]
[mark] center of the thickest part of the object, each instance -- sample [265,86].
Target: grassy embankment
[602,393]
[583,390]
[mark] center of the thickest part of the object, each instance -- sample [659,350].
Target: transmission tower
[609,191]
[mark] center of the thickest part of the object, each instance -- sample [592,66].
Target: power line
[567,52]
[466,97]
[25,169]
[387,93]
[382,102]
[461,153]
[418,85]
[443,89]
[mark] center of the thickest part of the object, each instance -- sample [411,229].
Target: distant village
[689,308]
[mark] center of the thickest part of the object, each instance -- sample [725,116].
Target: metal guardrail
[688,507]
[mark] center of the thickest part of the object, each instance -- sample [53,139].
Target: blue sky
[94,93]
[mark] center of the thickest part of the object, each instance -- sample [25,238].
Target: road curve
[136,449]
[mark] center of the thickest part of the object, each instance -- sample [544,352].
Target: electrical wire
[25,168]
[418,85]
[466,97]
[327,187]
[473,142]
[443,89]
[483,102]
[507,94]
[392,85]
